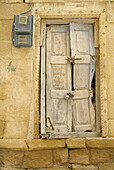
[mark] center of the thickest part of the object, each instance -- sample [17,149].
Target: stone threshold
[40,144]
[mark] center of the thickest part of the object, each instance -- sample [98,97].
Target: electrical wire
[12,32]
[28,9]
[13,21]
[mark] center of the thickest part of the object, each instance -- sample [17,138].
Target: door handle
[68,96]
[78,59]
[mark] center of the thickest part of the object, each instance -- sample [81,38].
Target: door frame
[46,22]
[41,19]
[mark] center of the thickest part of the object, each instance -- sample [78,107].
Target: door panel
[82,46]
[81,76]
[60,114]
[58,78]
[81,51]
[59,47]
[81,117]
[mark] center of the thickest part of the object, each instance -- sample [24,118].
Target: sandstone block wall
[20,91]
[19,109]
[68,154]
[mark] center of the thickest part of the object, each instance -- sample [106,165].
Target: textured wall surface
[90,154]
[20,91]
[19,95]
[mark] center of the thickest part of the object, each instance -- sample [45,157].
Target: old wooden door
[82,50]
[69,106]
[58,81]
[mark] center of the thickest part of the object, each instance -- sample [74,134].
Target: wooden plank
[74,135]
[60,94]
[58,60]
[68,21]
[70,115]
[43,120]
[48,77]
[97,99]
[82,58]
[96,33]
[58,74]
[77,94]
[82,45]
[36,79]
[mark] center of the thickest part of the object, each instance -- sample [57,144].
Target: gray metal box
[23,30]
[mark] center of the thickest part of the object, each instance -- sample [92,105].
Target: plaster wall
[17,92]
[20,90]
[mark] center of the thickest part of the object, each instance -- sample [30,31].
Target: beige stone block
[22,53]
[21,78]
[16,129]
[1,110]
[38,144]
[5,30]
[16,111]
[12,110]
[110,14]
[102,155]
[106,166]
[83,167]
[7,11]
[11,158]
[5,50]
[111,128]
[60,156]
[14,144]
[36,1]
[5,90]
[1,129]
[80,156]
[1,168]
[11,1]
[75,143]
[100,142]
[54,168]
[110,70]
[38,159]
[22,92]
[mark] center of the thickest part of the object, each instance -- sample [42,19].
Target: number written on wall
[10,67]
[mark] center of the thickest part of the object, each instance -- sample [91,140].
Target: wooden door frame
[41,20]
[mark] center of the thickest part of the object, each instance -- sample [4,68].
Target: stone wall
[89,153]
[19,88]
[19,95]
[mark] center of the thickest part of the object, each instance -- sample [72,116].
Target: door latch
[72,59]
[69,95]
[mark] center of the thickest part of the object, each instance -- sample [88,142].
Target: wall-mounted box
[23,30]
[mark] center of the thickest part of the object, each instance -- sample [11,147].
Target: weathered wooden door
[69,106]
[58,81]
[82,50]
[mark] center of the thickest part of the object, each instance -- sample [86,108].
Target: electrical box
[23,30]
